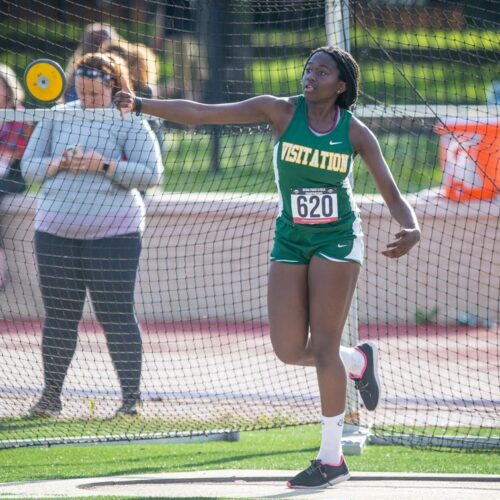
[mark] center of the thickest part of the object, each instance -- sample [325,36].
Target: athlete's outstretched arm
[261,109]
[366,144]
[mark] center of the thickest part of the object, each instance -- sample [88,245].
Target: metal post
[337,23]
[211,21]
[337,34]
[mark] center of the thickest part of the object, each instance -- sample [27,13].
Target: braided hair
[348,73]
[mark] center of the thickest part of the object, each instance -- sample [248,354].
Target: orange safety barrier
[470,159]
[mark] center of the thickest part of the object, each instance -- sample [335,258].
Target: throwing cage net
[429,91]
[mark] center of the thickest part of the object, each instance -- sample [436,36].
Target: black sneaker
[369,384]
[127,409]
[319,475]
[48,406]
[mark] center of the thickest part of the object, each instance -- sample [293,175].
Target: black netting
[430,91]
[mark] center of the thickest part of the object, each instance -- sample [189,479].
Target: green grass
[390,39]
[246,163]
[53,30]
[289,448]
[438,81]
[468,40]
[40,429]
[413,160]
[430,430]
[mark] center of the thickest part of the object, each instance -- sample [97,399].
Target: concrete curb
[263,484]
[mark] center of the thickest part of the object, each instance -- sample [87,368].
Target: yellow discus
[44,80]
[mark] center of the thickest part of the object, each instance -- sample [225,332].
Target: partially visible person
[190,67]
[88,227]
[92,39]
[141,62]
[13,140]
[143,71]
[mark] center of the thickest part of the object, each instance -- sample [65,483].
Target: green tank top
[311,173]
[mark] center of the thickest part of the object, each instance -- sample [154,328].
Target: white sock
[330,451]
[354,361]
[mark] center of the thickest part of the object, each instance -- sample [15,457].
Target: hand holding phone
[71,151]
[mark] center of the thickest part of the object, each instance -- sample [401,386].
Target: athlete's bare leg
[331,288]
[288,307]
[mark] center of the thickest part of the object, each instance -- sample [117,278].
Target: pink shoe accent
[365,363]
[341,461]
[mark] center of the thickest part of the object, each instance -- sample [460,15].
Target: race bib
[314,205]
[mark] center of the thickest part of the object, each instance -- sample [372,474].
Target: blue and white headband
[93,73]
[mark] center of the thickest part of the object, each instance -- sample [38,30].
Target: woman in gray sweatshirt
[88,226]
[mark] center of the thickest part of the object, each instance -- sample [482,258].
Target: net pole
[211,21]
[337,34]
[337,23]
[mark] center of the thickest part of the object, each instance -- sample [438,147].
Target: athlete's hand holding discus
[125,99]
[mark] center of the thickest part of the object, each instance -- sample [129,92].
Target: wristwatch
[105,167]
[137,106]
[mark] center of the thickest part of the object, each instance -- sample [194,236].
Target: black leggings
[107,267]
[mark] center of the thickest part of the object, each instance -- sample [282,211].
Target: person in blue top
[318,247]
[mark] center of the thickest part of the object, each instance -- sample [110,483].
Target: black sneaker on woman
[48,406]
[319,475]
[128,409]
